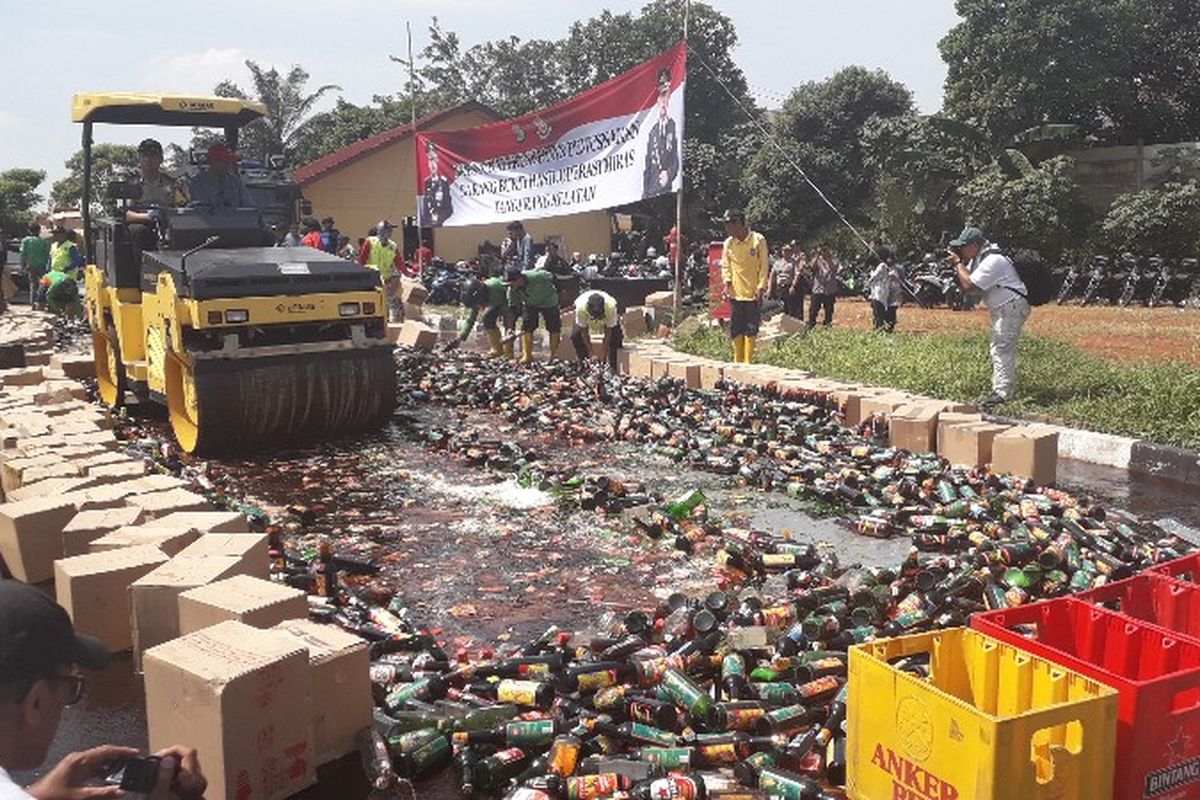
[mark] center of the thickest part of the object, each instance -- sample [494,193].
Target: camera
[138,775]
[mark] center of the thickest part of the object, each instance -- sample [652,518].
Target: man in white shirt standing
[982,268]
[40,655]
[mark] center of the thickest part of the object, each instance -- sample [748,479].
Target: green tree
[289,110]
[1163,220]
[18,196]
[822,129]
[1121,70]
[508,75]
[109,161]
[1038,208]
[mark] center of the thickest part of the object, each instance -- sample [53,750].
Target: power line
[769,137]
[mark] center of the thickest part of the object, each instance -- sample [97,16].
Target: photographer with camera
[40,655]
[982,268]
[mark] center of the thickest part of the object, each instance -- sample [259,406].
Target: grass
[1159,401]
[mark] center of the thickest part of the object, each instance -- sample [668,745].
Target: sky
[189,47]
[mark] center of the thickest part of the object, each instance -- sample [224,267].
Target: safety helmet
[474,293]
[595,305]
[651,252]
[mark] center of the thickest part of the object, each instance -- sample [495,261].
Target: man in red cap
[40,653]
[219,188]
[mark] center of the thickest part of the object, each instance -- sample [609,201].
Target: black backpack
[1035,276]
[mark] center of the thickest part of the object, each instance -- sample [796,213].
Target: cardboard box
[171,540]
[1030,451]
[417,335]
[155,597]
[103,458]
[251,550]
[206,521]
[254,601]
[160,504]
[850,401]
[686,371]
[660,300]
[18,472]
[948,418]
[660,366]
[393,331]
[413,292]
[243,698]
[21,376]
[639,365]
[969,444]
[341,685]
[31,536]
[74,366]
[914,428]
[88,526]
[711,373]
[414,312]
[118,471]
[634,323]
[883,404]
[47,488]
[94,589]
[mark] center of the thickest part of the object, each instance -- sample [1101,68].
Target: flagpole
[679,255]
[412,108]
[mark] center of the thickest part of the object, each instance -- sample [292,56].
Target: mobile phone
[136,775]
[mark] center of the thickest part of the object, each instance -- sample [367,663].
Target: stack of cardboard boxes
[232,665]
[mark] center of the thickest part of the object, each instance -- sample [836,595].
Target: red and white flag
[614,144]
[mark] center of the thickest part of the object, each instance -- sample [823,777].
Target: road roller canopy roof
[137,108]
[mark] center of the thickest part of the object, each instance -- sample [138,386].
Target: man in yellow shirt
[745,269]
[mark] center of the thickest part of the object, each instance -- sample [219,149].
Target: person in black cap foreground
[40,654]
[983,268]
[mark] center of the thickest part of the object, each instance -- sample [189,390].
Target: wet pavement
[482,558]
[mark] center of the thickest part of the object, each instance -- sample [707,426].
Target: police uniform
[662,153]
[436,202]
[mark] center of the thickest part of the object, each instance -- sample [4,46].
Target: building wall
[383,184]
[1104,173]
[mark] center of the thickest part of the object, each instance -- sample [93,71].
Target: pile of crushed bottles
[739,692]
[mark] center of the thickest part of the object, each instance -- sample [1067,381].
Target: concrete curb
[1120,452]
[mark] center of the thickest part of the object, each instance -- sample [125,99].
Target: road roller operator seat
[185,228]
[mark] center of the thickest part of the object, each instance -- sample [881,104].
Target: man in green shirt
[536,293]
[35,252]
[490,297]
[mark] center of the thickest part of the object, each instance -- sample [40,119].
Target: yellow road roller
[248,346]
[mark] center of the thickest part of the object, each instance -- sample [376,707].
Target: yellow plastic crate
[990,722]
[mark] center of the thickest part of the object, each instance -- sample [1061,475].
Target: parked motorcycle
[1135,276]
[1100,274]
[1070,281]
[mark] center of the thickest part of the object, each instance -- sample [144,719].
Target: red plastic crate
[1156,674]
[1154,598]
[1186,569]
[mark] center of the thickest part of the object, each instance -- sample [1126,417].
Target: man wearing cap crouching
[982,268]
[745,270]
[219,188]
[40,655]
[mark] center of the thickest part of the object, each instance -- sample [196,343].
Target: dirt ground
[1125,334]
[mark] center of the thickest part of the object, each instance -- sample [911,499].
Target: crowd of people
[982,269]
